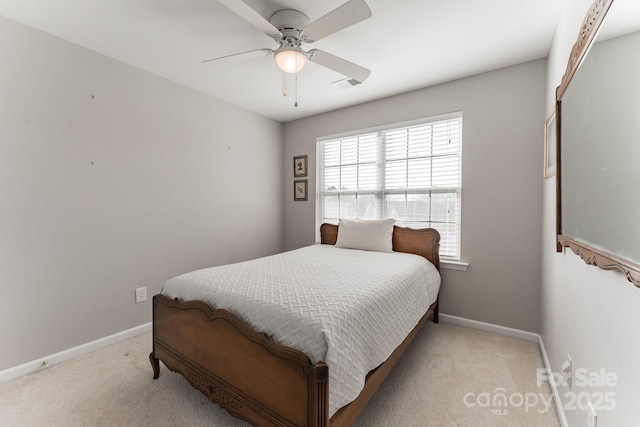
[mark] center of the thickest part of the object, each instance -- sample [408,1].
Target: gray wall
[112,178]
[588,313]
[501,180]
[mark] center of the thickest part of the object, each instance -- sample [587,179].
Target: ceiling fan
[291,29]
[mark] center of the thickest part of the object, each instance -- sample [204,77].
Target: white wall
[112,178]
[588,313]
[501,197]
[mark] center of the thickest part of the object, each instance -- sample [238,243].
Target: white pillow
[370,235]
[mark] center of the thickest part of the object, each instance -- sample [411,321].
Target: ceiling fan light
[290,60]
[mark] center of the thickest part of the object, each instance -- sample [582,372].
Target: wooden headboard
[423,241]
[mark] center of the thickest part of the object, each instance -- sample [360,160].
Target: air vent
[346,83]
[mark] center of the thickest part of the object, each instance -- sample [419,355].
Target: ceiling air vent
[346,83]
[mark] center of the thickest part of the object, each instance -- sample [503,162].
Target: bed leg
[436,318]
[155,364]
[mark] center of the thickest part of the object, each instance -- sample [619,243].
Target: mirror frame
[590,255]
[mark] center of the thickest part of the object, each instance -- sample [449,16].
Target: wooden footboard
[248,374]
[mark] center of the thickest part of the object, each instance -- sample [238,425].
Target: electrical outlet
[567,371]
[592,418]
[141,294]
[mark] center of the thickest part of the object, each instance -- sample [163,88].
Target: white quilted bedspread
[347,307]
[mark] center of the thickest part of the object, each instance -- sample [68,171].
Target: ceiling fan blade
[252,17]
[338,19]
[254,52]
[342,66]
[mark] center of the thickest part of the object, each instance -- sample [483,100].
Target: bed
[246,368]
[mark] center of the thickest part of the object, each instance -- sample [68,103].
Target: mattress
[346,307]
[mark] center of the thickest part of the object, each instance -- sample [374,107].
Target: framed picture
[300,166]
[300,190]
[550,141]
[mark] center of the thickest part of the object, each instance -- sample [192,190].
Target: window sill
[454,265]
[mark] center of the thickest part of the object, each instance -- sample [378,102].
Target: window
[410,172]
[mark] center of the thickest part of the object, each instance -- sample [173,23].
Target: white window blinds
[411,173]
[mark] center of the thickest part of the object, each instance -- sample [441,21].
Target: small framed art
[300,166]
[300,190]
[550,140]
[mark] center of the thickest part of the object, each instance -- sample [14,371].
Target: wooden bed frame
[255,378]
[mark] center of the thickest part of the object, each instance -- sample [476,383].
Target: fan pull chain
[284,85]
[296,88]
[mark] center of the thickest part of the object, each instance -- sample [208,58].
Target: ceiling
[407,44]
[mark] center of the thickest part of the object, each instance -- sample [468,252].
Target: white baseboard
[514,333]
[53,359]
[552,384]
[490,327]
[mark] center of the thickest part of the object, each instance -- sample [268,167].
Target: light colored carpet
[450,376]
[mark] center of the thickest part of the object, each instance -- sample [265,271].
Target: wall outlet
[567,371]
[141,294]
[592,418]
